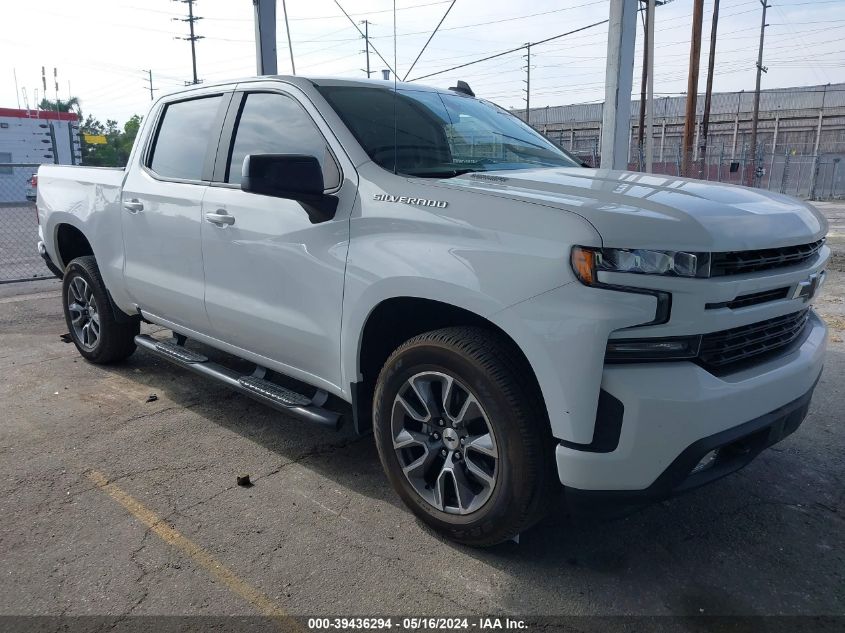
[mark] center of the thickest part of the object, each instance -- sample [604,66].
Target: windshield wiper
[440,173]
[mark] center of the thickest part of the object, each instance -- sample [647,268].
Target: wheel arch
[71,243]
[395,320]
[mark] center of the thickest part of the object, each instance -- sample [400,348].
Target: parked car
[32,189]
[507,322]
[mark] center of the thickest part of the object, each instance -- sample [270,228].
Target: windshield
[439,134]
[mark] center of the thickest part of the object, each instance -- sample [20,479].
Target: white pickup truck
[508,322]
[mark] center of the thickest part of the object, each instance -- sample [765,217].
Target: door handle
[221,218]
[134,205]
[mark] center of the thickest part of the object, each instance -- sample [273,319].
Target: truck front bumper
[675,415]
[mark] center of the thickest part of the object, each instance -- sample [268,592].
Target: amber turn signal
[584,264]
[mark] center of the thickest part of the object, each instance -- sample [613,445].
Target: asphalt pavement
[115,503]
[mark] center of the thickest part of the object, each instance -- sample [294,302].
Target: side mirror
[291,176]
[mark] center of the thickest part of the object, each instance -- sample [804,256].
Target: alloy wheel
[444,442]
[84,317]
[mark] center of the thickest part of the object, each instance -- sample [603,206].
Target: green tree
[115,151]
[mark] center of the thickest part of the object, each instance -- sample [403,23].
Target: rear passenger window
[183,136]
[275,124]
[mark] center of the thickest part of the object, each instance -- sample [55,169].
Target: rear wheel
[98,336]
[463,435]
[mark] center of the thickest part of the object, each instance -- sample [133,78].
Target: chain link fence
[808,176]
[19,258]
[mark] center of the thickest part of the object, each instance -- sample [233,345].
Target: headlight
[586,262]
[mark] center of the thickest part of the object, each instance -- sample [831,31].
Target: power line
[430,37]
[192,38]
[512,50]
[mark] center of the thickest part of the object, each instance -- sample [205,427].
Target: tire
[481,500]
[97,335]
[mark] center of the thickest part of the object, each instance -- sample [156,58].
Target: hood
[636,210]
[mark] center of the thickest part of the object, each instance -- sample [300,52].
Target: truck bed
[88,199]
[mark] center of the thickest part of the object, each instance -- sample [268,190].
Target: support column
[619,78]
[697,140]
[265,37]
[814,176]
[774,148]
[736,123]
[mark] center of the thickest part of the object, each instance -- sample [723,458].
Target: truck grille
[720,350]
[739,262]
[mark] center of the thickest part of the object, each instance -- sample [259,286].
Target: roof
[300,80]
[49,115]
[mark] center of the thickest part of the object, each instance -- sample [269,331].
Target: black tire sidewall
[510,482]
[80,268]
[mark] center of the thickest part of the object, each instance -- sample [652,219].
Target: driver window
[271,123]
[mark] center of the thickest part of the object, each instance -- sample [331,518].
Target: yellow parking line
[170,535]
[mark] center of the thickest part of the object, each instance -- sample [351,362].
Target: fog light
[706,462]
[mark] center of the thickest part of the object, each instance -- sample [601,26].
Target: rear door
[162,210]
[274,279]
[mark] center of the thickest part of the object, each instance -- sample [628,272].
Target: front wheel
[98,336]
[463,436]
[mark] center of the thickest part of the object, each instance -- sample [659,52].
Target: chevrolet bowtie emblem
[806,289]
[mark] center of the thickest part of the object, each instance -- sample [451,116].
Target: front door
[273,279]
[162,212]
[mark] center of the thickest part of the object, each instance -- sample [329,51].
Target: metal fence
[809,176]
[19,259]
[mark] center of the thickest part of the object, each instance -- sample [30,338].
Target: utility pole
[692,86]
[192,38]
[708,94]
[643,88]
[528,83]
[366,24]
[649,113]
[149,80]
[756,112]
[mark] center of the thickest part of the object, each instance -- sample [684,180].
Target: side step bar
[254,386]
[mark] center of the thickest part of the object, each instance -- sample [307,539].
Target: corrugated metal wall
[800,98]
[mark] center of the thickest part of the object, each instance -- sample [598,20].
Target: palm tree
[58,105]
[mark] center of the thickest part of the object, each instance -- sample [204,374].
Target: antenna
[17,90]
[56,85]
